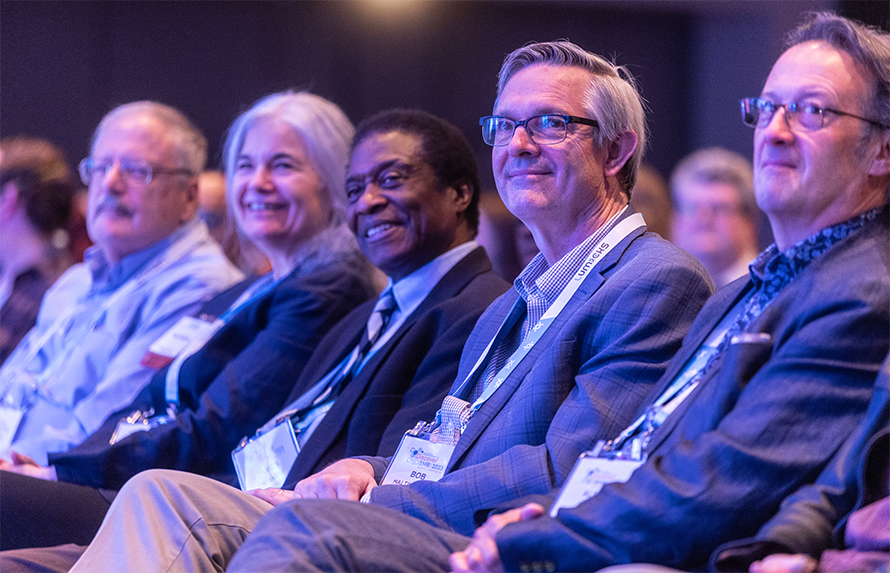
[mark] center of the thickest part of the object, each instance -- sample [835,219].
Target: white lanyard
[618,233]
[260,287]
[160,263]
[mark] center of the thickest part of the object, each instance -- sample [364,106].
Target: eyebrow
[376,169]
[539,111]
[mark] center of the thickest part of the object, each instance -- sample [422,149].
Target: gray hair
[191,145]
[324,128]
[869,47]
[613,98]
[717,165]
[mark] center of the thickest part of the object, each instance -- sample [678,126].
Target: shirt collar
[106,276]
[773,269]
[410,291]
[538,277]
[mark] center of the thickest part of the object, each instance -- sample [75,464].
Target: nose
[521,142]
[114,180]
[260,179]
[778,129]
[371,200]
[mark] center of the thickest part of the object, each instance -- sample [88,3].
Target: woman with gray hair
[285,169]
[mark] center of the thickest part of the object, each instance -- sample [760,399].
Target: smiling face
[125,218]
[808,180]
[402,216]
[564,191]
[277,197]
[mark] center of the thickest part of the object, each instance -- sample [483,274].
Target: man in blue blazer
[805,336]
[564,358]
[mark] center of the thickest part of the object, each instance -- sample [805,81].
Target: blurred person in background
[35,203]
[715,213]
[650,197]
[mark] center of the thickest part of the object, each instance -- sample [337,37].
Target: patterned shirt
[539,285]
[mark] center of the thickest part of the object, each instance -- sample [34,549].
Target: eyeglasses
[387,177]
[135,173]
[758,112]
[546,129]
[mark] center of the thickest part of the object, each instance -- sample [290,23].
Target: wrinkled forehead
[816,69]
[381,148]
[135,135]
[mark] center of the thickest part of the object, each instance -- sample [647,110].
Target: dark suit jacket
[406,379]
[764,421]
[582,381]
[230,387]
[813,518]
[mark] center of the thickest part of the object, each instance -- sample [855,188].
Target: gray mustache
[113,204]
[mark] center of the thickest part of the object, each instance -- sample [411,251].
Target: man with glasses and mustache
[153,263]
[561,359]
[779,367]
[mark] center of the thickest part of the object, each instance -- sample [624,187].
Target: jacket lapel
[468,268]
[499,399]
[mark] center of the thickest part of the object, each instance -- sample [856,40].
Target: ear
[881,163]
[190,209]
[618,151]
[463,195]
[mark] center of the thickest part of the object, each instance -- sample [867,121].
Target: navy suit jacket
[582,381]
[406,380]
[764,421]
[230,387]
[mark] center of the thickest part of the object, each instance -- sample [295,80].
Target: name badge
[9,424]
[166,348]
[265,459]
[421,456]
[589,476]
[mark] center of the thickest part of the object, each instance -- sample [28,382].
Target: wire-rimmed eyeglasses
[758,112]
[136,173]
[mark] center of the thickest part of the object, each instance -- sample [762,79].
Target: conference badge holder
[423,454]
[165,349]
[609,462]
[588,477]
[265,459]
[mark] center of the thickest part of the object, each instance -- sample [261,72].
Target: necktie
[347,369]
[376,326]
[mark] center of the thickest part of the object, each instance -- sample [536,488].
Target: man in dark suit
[563,358]
[413,206]
[805,336]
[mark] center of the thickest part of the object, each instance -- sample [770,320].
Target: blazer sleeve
[256,375]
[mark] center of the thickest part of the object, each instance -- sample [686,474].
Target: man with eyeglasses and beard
[153,263]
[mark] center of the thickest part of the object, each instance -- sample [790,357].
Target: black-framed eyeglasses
[545,129]
[758,112]
[135,173]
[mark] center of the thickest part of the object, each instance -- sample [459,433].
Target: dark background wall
[65,64]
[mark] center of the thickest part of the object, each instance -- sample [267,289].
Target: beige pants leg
[165,520]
